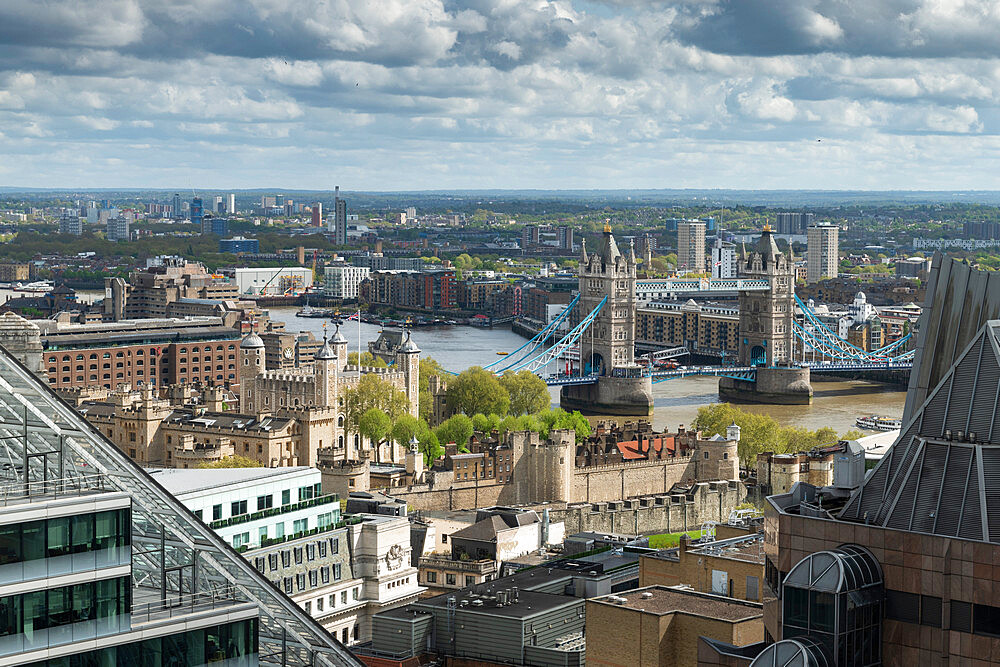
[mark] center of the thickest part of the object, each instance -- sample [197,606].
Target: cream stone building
[283,416]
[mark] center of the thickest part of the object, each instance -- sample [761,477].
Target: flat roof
[662,600]
[179,481]
[529,603]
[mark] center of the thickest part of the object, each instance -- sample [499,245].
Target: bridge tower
[608,348]
[766,330]
[766,316]
[610,273]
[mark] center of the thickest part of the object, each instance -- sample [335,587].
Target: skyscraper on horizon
[317,214]
[339,218]
[691,246]
[198,215]
[177,206]
[823,252]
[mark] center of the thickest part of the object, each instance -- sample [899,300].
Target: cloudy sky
[422,94]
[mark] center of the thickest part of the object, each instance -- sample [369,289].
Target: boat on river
[878,423]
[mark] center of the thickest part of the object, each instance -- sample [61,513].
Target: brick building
[713,329]
[656,625]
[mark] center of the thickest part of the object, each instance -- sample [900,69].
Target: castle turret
[339,345]
[408,361]
[326,368]
[251,366]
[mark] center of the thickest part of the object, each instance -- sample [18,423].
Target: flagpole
[359,340]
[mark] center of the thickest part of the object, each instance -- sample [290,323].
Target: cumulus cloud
[560,93]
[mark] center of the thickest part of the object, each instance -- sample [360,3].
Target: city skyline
[479,95]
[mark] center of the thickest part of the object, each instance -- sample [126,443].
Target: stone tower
[408,361]
[766,331]
[766,316]
[622,388]
[251,365]
[608,272]
[339,344]
[325,369]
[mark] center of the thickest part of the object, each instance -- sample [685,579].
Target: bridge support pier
[617,396]
[777,385]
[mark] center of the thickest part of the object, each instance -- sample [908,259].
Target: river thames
[835,404]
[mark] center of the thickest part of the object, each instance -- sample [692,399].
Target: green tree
[485,423]
[528,392]
[458,429]
[367,359]
[429,445]
[404,429]
[375,425]
[233,462]
[372,392]
[428,367]
[477,390]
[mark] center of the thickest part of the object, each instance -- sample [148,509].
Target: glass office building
[101,566]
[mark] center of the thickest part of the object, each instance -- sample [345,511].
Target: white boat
[37,286]
[877,423]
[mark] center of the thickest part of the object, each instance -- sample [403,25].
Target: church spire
[583,251]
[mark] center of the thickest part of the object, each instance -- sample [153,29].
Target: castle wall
[616,481]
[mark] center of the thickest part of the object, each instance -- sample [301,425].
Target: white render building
[273,281]
[341,571]
[341,281]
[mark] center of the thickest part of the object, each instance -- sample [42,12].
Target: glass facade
[835,599]
[229,645]
[63,545]
[39,619]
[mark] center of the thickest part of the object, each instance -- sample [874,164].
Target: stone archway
[758,355]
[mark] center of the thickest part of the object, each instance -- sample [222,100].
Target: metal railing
[185,604]
[14,491]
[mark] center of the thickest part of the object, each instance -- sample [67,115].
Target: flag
[355,316]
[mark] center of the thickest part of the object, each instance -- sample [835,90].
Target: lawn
[669,540]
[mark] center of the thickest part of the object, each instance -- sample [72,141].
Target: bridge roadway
[660,288]
[735,372]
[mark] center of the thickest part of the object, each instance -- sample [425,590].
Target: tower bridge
[603,375]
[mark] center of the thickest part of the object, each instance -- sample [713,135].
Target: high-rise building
[118,229]
[231,206]
[565,237]
[529,236]
[317,214]
[102,566]
[339,218]
[723,259]
[218,206]
[177,205]
[341,280]
[822,253]
[198,216]
[691,246]
[411,212]
[71,223]
[793,223]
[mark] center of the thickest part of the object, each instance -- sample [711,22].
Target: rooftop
[483,598]
[662,600]
[181,481]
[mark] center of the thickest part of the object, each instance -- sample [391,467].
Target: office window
[309,608]
[313,578]
[324,574]
[197,513]
[449,579]
[310,552]
[333,601]
[300,581]
[753,587]
[272,561]
[239,507]
[322,549]
[259,564]
[469,581]
[343,597]
[286,497]
[262,533]
[300,526]
[279,530]
[334,545]
[298,555]
[319,604]
[336,572]
[216,512]
[930,611]
[287,582]
[265,502]
[432,577]
[356,592]
[961,616]
[286,558]
[986,620]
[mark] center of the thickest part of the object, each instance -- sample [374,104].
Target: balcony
[275,511]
